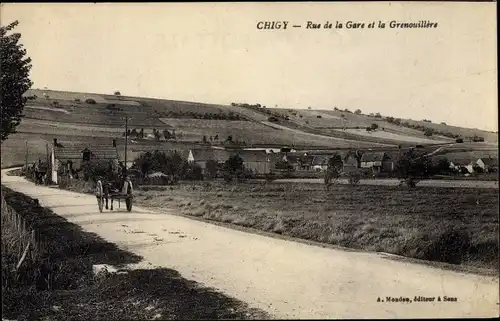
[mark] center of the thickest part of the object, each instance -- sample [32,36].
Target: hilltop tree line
[158,135]
[273,116]
[194,115]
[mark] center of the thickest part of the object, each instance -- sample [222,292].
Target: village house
[320,162]
[71,156]
[488,164]
[462,167]
[202,156]
[351,162]
[377,162]
[258,161]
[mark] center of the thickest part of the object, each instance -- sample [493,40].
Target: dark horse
[110,187]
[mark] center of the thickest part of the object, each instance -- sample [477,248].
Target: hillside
[97,117]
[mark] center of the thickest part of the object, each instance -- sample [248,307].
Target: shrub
[193,172]
[272,119]
[318,116]
[377,115]
[459,140]
[374,126]
[95,168]
[211,168]
[233,167]
[450,246]
[358,112]
[90,101]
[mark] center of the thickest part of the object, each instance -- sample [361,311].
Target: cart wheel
[100,202]
[128,202]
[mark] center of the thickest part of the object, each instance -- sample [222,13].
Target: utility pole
[26,158]
[126,141]
[48,164]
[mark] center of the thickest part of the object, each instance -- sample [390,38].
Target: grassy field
[255,133]
[332,118]
[423,223]
[385,134]
[59,283]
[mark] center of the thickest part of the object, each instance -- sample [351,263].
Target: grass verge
[451,225]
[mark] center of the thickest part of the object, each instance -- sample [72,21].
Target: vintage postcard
[243,160]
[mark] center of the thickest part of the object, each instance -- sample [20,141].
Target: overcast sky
[215,53]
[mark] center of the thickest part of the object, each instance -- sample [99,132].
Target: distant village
[68,159]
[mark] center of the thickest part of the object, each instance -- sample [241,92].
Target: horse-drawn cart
[107,191]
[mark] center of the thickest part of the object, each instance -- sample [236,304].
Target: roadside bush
[451,246]
[194,172]
[211,168]
[96,168]
[233,167]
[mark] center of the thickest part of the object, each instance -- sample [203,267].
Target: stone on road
[285,278]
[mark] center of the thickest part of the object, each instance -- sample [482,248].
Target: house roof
[252,155]
[201,155]
[374,156]
[76,152]
[320,160]
[490,161]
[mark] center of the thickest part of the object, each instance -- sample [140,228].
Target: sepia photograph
[249,160]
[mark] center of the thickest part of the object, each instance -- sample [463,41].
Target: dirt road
[287,279]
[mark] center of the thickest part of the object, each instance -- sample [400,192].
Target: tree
[167,134]
[141,133]
[204,139]
[374,126]
[358,111]
[412,166]
[15,68]
[233,166]
[117,93]
[211,168]
[134,133]
[442,167]
[377,115]
[333,170]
